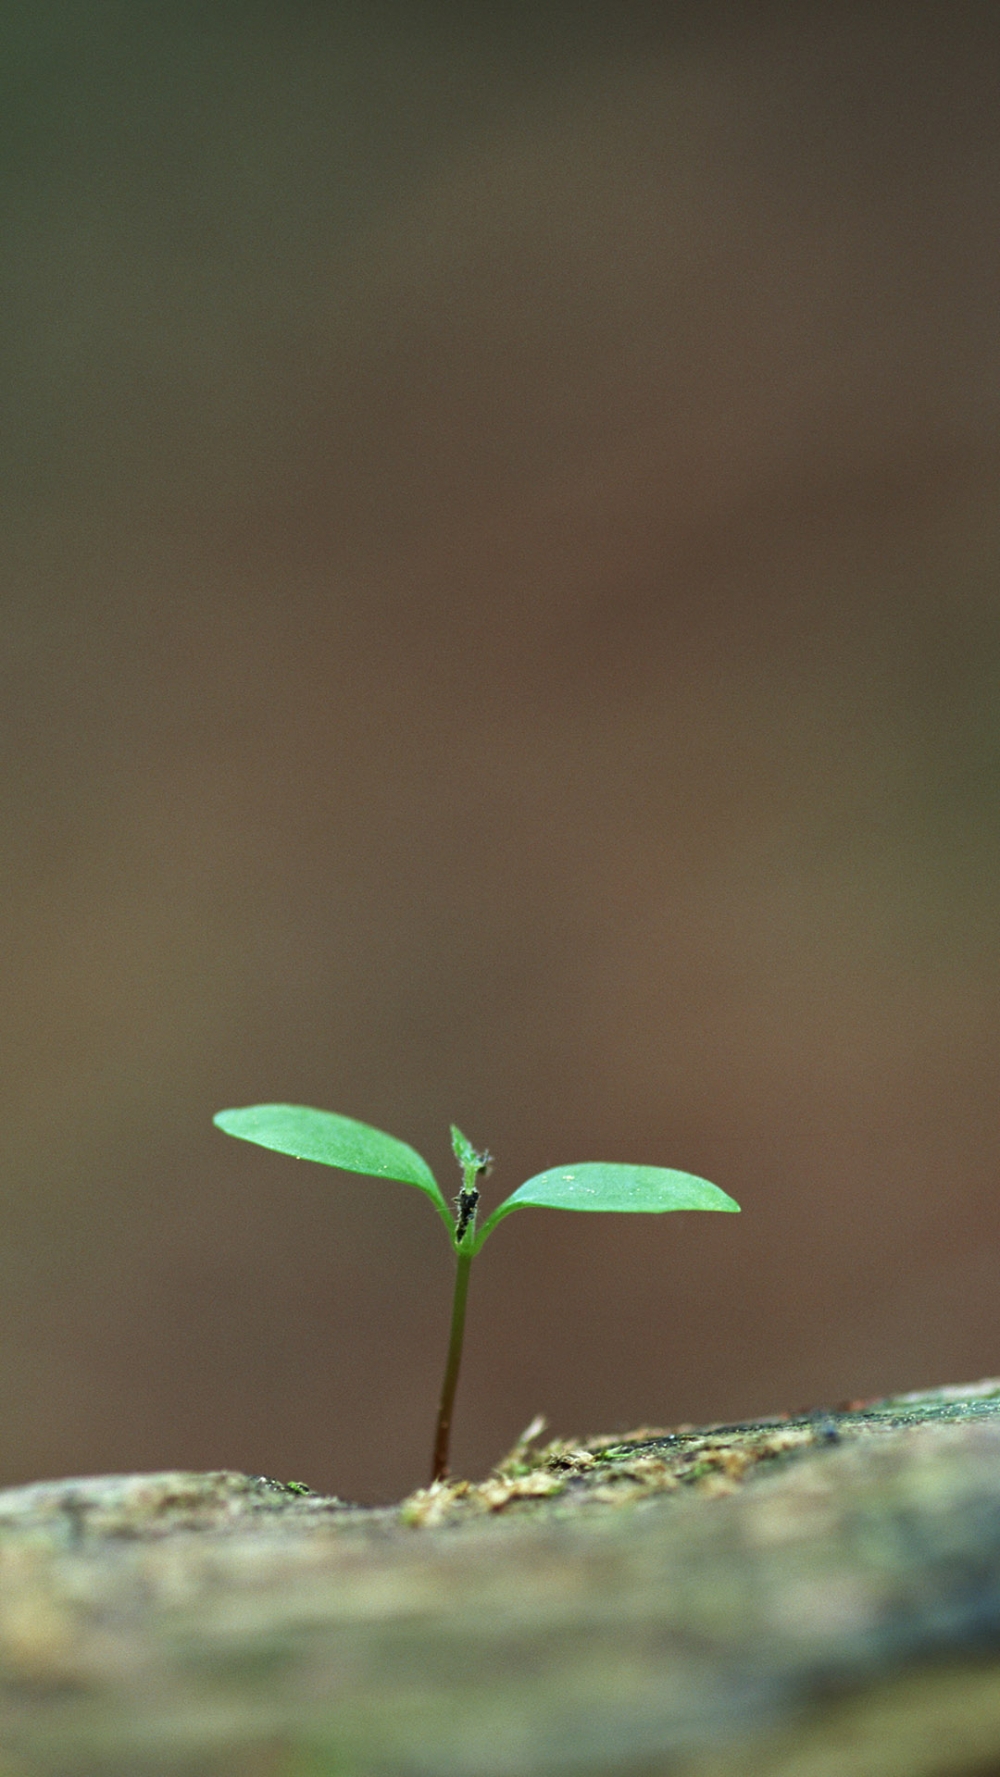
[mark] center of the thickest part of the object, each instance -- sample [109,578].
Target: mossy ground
[782,1598]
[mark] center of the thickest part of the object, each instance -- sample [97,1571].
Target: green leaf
[463,1150]
[648,1190]
[333,1140]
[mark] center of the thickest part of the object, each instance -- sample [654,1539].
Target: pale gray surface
[762,1601]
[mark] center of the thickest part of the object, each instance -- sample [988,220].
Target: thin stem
[442,1439]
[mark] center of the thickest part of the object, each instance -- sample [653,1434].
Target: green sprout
[355,1147]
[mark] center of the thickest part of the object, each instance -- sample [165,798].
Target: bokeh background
[500,623]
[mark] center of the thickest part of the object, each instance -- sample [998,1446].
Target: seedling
[355,1147]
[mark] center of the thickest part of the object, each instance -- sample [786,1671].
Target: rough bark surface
[817,1596]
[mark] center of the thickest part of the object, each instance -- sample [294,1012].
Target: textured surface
[802,1597]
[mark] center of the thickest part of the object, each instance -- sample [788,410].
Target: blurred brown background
[500,623]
